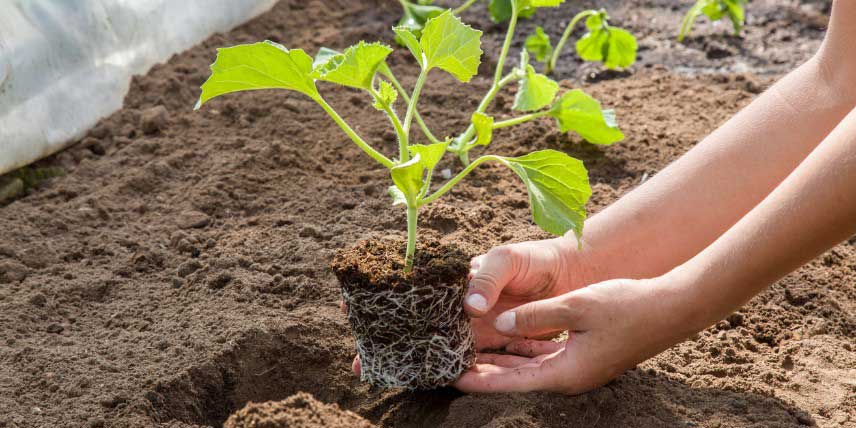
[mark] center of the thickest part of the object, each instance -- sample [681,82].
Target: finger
[502,360]
[540,317]
[343,307]
[355,366]
[475,263]
[493,378]
[534,348]
[495,270]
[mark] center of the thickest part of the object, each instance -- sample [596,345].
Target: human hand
[611,325]
[512,275]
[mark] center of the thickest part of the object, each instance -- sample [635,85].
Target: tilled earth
[180,268]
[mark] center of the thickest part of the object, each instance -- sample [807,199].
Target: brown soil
[180,269]
[298,411]
[410,328]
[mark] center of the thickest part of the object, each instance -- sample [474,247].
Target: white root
[416,339]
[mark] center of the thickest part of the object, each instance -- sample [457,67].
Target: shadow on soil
[272,365]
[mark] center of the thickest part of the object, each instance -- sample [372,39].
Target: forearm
[813,209]
[683,208]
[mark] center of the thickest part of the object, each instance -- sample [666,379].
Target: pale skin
[763,194]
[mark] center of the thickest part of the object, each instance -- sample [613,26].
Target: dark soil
[298,411]
[180,268]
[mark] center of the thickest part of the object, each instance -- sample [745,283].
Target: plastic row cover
[64,64]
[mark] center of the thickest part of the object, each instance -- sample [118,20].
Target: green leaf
[535,92]
[558,188]
[387,96]
[323,55]
[615,47]
[408,178]
[396,195]
[500,10]
[430,154]
[264,65]
[415,16]
[736,14]
[406,37]
[355,67]
[577,111]
[484,128]
[538,44]
[451,45]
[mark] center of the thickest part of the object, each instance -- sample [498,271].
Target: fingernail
[505,322]
[477,302]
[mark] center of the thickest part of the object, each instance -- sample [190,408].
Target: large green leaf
[558,188]
[577,111]
[615,47]
[451,45]
[416,15]
[429,155]
[484,128]
[535,91]
[538,44]
[324,54]
[355,67]
[406,37]
[263,65]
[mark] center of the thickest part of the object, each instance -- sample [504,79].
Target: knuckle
[502,252]
[527,316]
[484,281]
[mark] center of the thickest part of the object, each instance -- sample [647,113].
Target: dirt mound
[298,411]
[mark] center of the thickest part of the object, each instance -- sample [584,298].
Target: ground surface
[180,268]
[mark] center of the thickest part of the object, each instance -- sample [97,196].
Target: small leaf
[538,44]
[408,178]
[355,67]
[415,17]
[430,154]
[484,128]
[577,111]
[264,65]
[323,55]
[615,47]
[736,14]
[407,38]
[451,45]
[500,10]
[535,92]
[398,198]
[558,188]
[387,94]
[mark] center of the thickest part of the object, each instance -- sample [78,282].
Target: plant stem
[403,153]
[551,64]
[454,180]
[412,213]
[509,35]
[411,104]
[395,83]
[520,119]
[383,160]
[463,7]
[689,20]
[460,144]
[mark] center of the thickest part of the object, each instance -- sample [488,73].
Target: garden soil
[180,268]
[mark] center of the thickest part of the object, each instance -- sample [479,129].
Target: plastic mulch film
[64,64]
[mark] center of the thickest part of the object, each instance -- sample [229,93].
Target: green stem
[454,180]
[520,119]
[509,35]
[395,83]
[689,20]
[411,104]
[383,160]
[551,64]
[463,7]
[412,214]
[403,152]
[460,142]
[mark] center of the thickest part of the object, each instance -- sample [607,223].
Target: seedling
[558,184]
[714,10]
[537,94]
[409,327]
[613,46]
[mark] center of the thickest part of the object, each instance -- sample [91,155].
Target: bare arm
[694,200]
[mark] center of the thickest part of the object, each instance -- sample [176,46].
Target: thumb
[491,272]
[541,317]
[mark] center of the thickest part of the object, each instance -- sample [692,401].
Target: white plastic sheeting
[64,64]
